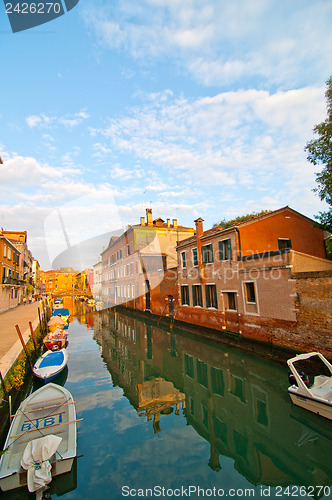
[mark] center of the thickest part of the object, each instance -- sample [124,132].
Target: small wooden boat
[54,341]
[50,364]
[64,313]
[56,322]
[318,396]
[45,424]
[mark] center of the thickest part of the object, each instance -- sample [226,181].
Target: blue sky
[190,107]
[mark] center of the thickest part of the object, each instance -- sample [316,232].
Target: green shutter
[204,255]
[194,296]
[207,296]
[221,250]
[195,257]
[215,300]
[229,249]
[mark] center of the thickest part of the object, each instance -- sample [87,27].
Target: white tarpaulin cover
[36,461]
[56,320]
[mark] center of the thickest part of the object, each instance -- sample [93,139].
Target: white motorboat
[316,397]
[44,423]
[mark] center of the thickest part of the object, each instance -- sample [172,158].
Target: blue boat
[64,313]
[50,364]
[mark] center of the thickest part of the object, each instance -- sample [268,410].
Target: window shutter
[204,255]
[207,296]
[221,250]
[194,295]
[215,300]
[229,249]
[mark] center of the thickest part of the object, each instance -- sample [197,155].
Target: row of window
[125,292]
[7,252]
[121,272]
[121,253]
[224,253]
[211,297]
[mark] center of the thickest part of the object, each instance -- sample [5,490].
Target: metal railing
[9,280]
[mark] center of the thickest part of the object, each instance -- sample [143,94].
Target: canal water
[166,415]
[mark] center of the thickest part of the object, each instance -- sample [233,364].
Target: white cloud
[27,171]
[222,42]
[68,121]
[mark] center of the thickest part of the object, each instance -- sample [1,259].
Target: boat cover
[63,312]
[35,460]
[56,320]
[52,359]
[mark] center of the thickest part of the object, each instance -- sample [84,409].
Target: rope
[31,421]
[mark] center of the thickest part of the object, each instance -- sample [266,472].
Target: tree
[240,218]
[320,153]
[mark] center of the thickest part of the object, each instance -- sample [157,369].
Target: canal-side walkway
[10,344]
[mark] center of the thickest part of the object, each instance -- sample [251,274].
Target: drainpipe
[199,232]
[239,253]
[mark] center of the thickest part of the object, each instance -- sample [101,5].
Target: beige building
[135,263]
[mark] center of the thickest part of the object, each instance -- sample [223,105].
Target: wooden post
[33,335]
[3,385]
[41,326]
[24,346]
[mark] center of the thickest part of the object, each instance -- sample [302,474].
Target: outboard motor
[292,379]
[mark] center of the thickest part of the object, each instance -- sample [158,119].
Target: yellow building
[58,282]
[11,285]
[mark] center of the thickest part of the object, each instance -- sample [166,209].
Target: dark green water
[170,414]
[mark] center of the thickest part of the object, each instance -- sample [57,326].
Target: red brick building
[240,279]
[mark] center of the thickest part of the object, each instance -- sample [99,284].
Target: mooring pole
[24,346]
[33,335]
[41,326]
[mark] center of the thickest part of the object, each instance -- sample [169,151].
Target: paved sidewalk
[10,344]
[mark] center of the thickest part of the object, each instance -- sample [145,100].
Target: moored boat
[56,322]
[42,437]
[50,364]
[316,397]
[54,341]
[64,313]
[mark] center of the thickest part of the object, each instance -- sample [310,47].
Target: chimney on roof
[168,222]
[199,227]
[149,217]
[142,221]
[175,223]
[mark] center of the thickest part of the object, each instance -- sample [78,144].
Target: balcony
[13,281]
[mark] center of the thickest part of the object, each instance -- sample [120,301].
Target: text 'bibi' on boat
[41,442]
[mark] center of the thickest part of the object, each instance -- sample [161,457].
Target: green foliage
[29,289]
[16,376]
[240,218]
[320,153]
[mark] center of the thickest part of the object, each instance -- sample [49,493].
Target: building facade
[12,285]
[135,264]
[59,282]
[20,241]
[240,279]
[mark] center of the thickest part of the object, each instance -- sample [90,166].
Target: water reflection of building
[235,401]
[82,311]
[128,351]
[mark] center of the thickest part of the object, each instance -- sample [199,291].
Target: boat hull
[320,408]
[49,411]
[50,365]
[19,479]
